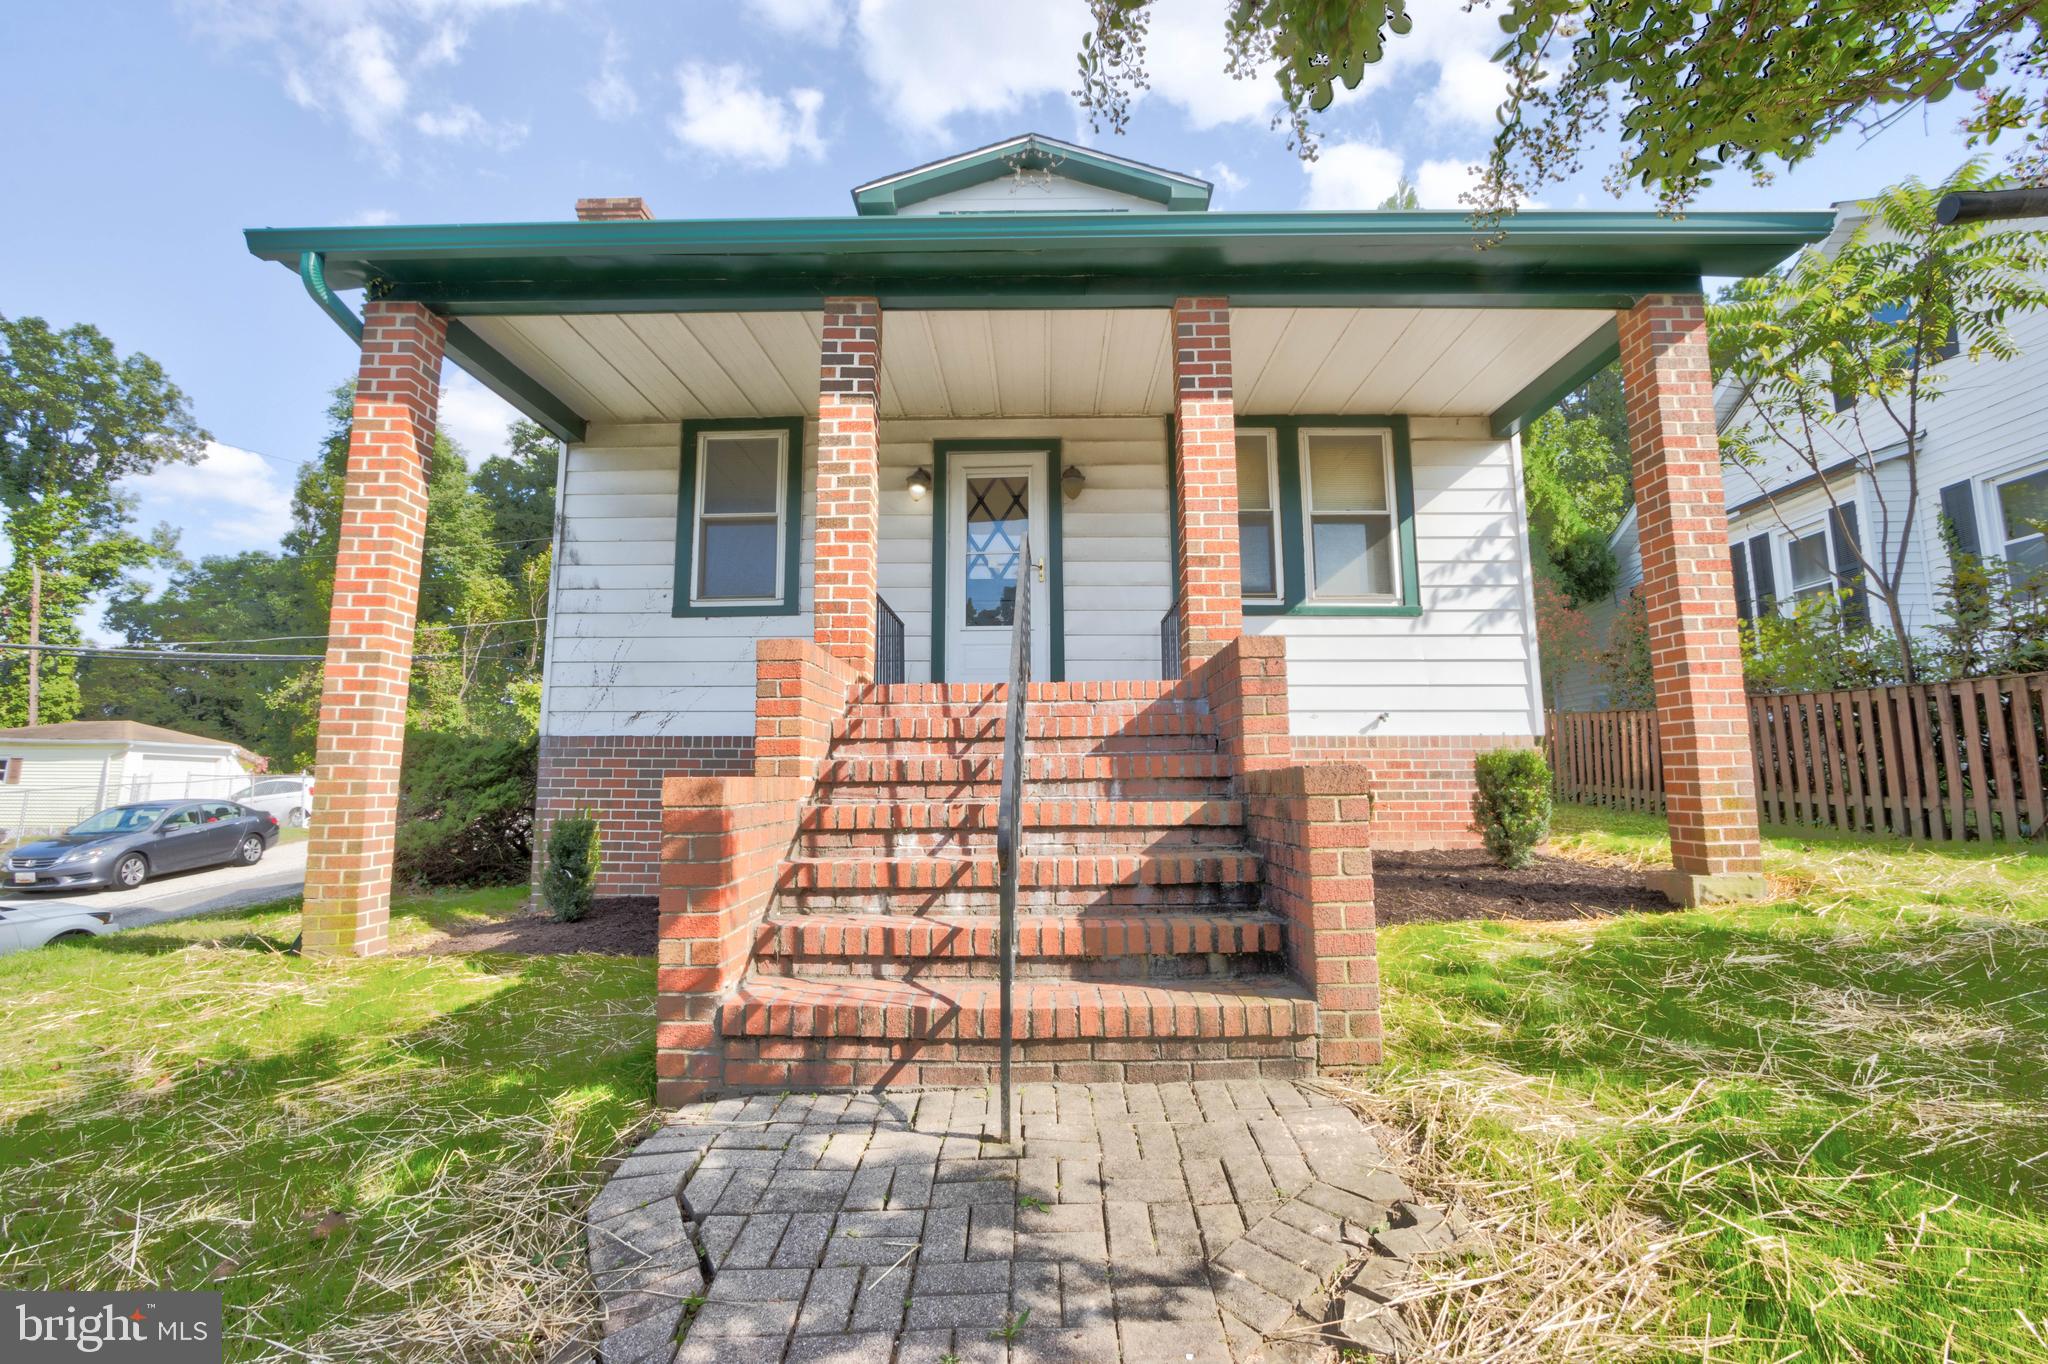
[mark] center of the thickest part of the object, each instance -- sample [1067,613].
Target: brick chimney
[619,208]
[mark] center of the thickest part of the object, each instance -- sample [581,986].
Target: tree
[1576,484]
[1403,197]
[76,418]
[1837,357]
[518,490]
[1687,87]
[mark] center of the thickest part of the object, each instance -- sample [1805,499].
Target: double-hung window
[736,533]
[1811,566]
[1258,517]
[2022,514]
[1348,492]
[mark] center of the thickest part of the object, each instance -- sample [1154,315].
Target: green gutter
[484,362]
[313,270]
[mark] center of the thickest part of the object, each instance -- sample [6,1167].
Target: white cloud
[1439,183]
[727,115]
[231,499]
[610,94]
[1351,175]
[931,61]
[461,122]
[821,21]
[474,417]
[1184,60]
[1226,179]
[360,62]
[371,217]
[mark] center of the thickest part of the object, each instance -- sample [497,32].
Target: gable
[1032,173]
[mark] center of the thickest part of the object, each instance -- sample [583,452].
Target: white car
[290,799]
[24,924]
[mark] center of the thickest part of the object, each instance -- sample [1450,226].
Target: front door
[995,505]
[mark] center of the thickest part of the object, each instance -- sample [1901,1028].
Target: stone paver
[1179,1222]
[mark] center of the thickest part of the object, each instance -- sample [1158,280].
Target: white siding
[619,662]
[1039,194]
[1464,665]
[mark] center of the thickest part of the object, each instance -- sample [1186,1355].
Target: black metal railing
[1009,811]
[1169,644]
[888,644]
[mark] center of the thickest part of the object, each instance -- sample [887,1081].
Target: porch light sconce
[1072,480]
[919,483]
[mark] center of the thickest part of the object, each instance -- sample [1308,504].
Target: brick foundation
[370,630]
[1422,785]
[618,778]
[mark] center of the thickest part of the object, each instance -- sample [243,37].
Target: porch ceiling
[648,367]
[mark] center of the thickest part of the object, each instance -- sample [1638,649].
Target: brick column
[1205,480]
[1311,827]
[1246,683]
[1702,722]
[849,473]
[800,694]
[370,630]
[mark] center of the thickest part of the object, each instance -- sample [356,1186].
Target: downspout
[313,272]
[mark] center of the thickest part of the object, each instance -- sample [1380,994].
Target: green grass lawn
[189,1106]
[1814,1130]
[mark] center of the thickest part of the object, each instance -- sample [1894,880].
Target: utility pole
[35,637]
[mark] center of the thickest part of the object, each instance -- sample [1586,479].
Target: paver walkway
[1177,1222]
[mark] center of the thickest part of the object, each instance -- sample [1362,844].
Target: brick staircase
[1144,949]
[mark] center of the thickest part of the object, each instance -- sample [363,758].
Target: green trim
[792,428]
[1293,539]
[491,368]
[313,272]
[1055,554]
[1562,379]
[1033,151]
[1577,260]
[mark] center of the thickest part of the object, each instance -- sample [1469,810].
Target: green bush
[573,860]
[1512,808]
[465,810]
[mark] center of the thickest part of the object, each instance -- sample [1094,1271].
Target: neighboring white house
[1983,463]
[52,776]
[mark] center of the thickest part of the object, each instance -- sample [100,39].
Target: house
[1793,529]
[1253,476]
[52,776]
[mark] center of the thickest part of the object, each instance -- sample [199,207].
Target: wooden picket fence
[1943,762]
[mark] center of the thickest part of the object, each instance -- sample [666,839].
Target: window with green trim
[737,518]
[1326,516]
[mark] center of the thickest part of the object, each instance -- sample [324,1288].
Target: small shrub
[1512,808]
[573,860]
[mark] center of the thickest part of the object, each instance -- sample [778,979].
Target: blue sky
[144,137]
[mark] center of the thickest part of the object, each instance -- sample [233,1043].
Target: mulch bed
[1438,886]
[617,926]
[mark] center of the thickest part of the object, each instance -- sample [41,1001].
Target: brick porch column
[849,473]
[370,631]
[1205,480]
[1709,773]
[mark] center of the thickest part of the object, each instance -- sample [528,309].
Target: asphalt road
[182,895]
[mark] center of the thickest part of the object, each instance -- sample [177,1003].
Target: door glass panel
[998,517]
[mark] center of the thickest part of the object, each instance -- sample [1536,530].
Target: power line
[202,656]
[300,639]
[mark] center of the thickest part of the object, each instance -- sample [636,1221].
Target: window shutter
[1740,559]
[1959,505]
[1762,576]
[1848,572]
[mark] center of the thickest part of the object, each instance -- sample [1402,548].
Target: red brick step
[1064,872]
[1038,935]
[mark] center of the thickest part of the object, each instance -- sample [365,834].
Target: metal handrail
[888,644]
[1009,809]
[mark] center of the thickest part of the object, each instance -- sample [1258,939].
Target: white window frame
[1792,593]
[1279,593]
[699,517]
[1305,439]
[1993,514]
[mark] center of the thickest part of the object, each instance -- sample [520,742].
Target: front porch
[1311,479]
